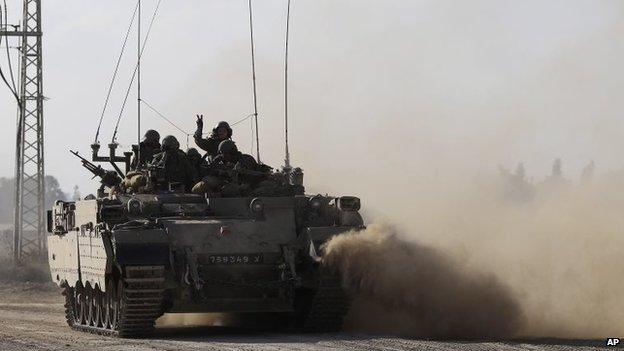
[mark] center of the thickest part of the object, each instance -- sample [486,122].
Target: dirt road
[33,320]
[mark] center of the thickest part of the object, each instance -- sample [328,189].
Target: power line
[6,23]
[2,76]
[110,88]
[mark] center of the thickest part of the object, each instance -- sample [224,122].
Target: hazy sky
[381,91]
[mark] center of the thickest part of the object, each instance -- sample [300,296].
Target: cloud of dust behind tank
[494,255]
[414,116]
[406,288]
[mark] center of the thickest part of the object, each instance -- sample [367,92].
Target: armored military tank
[125,257]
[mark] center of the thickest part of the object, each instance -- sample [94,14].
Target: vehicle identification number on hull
[236,259]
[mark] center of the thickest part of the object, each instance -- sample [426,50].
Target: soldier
[211,144]
[196,160]
[220,173]
[149,147]
[174,164]
[227,153]
[246,171]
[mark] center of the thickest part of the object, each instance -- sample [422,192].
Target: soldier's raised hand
[200,122]
[200,126]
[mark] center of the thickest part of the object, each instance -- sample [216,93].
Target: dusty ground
[31,318]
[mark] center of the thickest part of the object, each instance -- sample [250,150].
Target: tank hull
[228,260]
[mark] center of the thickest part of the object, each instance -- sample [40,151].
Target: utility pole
[29,234]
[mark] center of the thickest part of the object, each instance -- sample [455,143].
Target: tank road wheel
[90,303]
[97,307]
[119,299]
[80,306]
[110,306]
[70,304]
[128,308]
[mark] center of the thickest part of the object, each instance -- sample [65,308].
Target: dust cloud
[406,288]
[494,256]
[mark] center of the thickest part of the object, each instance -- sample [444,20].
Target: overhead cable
[6,24]
[2,76]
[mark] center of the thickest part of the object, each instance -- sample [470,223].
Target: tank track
[140,304]
[328,307]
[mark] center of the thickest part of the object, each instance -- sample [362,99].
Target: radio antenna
[287,152]
[139,86]
[253,78]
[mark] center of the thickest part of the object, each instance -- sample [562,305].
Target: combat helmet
[152,136]
[228,147]
[226,125]
[170,143]
[192,152]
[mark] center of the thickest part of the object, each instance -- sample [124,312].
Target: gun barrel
[75,153]
[96,170]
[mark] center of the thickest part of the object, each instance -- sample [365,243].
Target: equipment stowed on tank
[123,258]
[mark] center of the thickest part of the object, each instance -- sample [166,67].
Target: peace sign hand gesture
[200,122]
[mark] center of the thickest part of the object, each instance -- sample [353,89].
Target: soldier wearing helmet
[230,157]
[196,160]
[149,147]
[170,143]
[174,165]
[227,153]
[222,131]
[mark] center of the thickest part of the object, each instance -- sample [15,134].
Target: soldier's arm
[134,162]
[209,144]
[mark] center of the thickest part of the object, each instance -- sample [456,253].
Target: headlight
[349,203]
[135,206]
[256,206]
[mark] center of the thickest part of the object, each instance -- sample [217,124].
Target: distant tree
[515,186]
[557,173]
[520,173]
[588,173]
[53,191]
